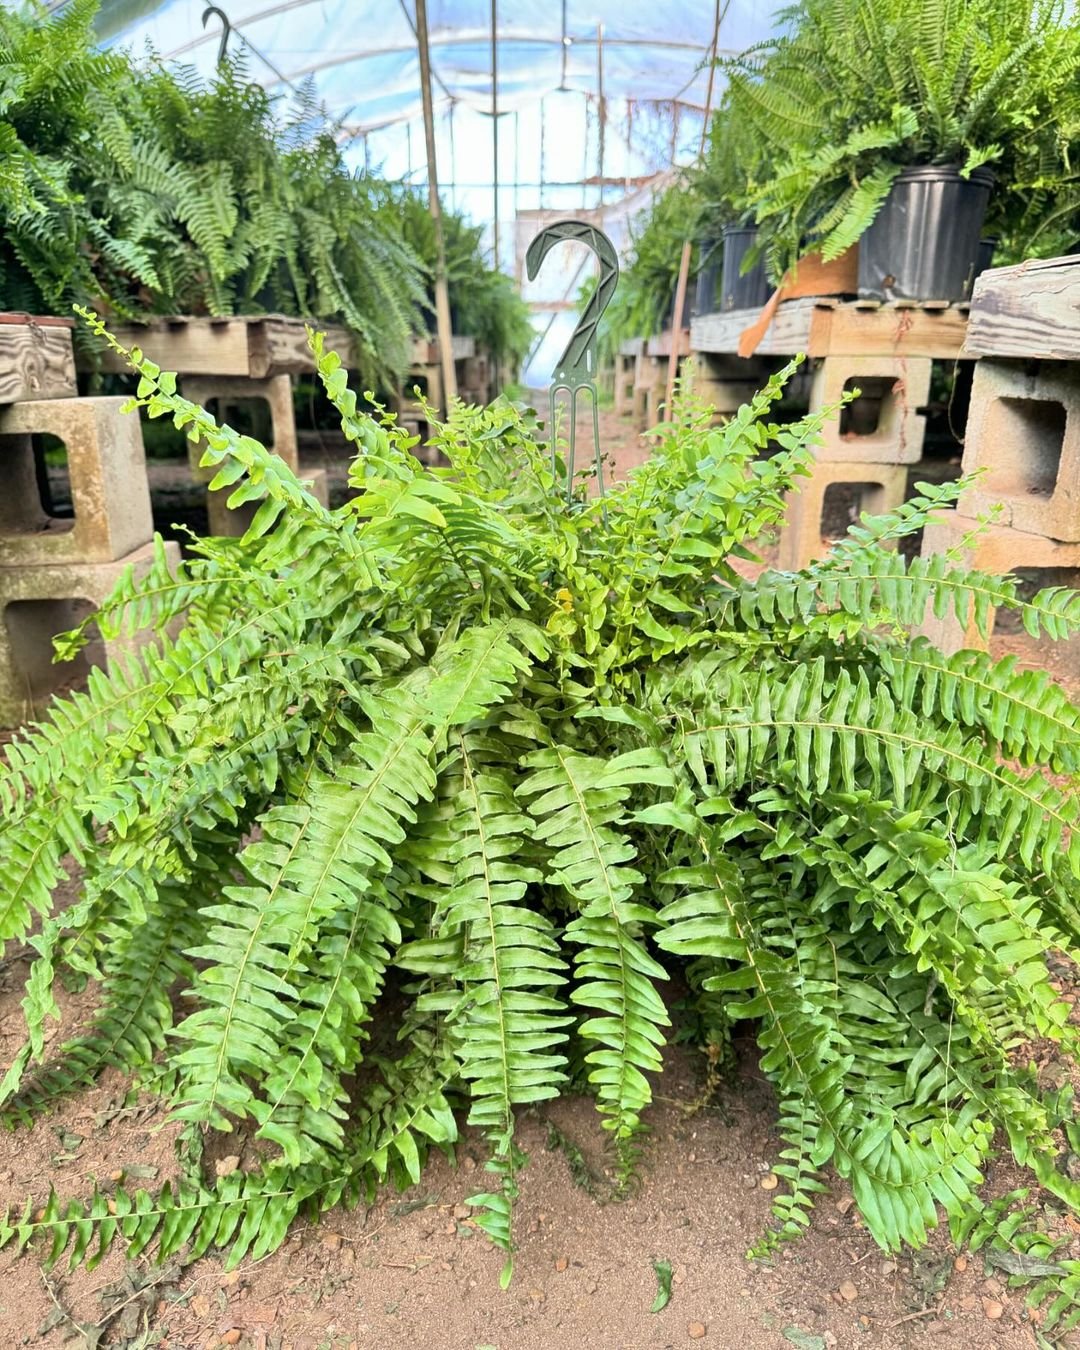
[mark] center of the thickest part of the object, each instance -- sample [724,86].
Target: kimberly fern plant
[455,760]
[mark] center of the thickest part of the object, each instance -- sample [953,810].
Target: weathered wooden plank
[1030,311]
[894,331]
[256,346]
[195,347]
[789,331]
[463,346]
[36,359]
[661,344]
[822,327]
[279,346]
[426,349]
[631,346]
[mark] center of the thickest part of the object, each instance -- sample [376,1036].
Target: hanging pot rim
[938,173]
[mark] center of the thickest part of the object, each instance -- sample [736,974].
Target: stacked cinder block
[1023,436]
[474,379]
[725,383]
[650,382]
[472,375]
[228,361]
[225,392]
[1023,431]
[885,351]
[54,569]
[626,359]
[868,444]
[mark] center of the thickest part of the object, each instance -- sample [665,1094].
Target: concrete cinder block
[883,488]
[624,384]
[883,426]
[997,549]
[36,603]
[1023,429]
[474,379]
[724,396]
[650,384]
[109,489]
[234,521]
[275,392]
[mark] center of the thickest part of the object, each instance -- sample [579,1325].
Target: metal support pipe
[442,295]
[684,261]
[602,104]
[495,125]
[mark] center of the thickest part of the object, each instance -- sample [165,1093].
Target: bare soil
[414,1270]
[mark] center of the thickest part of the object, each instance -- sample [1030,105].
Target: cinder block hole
[248,416]
[54,480]
[1026,436]
[1032,580]
[31,626]
[844,503]
[37,486]
[864,415]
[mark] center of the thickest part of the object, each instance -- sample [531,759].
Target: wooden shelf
[36,359]
[1030,311]
[662,343]
[828,327]
[426,349]
[252,347]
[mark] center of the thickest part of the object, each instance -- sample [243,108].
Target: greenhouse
[539,674]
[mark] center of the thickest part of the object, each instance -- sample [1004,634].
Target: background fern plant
[485,303]
[138,189]
[852,93]
[456,761]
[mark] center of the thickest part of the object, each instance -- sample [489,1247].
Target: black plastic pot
[924,242]
[984,259]
[742,292]
[708,278]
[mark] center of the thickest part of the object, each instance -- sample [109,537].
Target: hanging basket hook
[226,29]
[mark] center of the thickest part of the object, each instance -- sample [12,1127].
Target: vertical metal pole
[602,105]
[684,261]
[629,140]
[442,295]
[495,124]
[543,147]
[585,156]
[453,161]
[517,170]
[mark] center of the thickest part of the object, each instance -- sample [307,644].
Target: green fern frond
[579,805]
[497,968]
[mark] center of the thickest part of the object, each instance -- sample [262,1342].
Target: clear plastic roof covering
[592,96]
[592,104]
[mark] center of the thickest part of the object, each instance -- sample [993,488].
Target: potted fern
[888,120]
[732,162]
[426,799]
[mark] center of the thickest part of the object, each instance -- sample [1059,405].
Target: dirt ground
[414,1270]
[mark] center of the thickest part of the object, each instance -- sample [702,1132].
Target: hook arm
[226,28]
